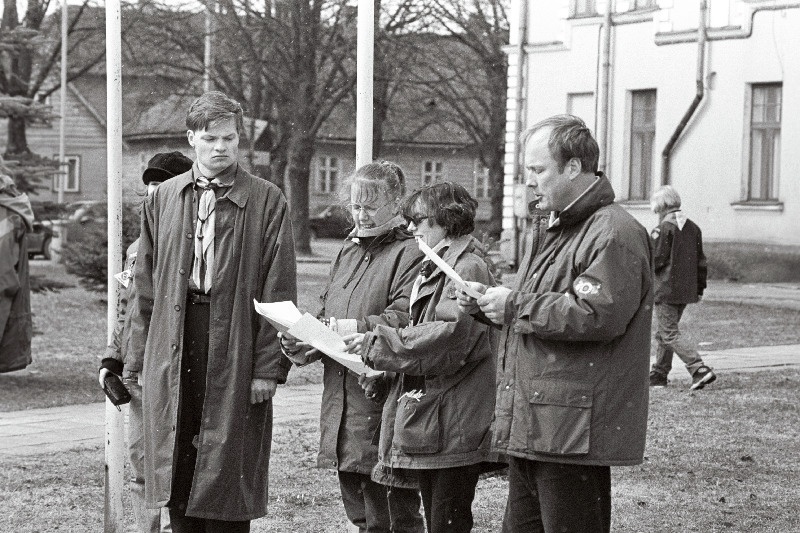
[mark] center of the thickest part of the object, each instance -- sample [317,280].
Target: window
[641,142]
[73,178]
[642,4]
[583,8]
[481,183]
[765,141]
[327,174]
[432,171]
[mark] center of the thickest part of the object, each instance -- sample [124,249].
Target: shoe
[702,377]
[657,379]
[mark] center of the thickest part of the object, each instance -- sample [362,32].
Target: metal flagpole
[364,66]
[207,51]
[114,419]
[61,178]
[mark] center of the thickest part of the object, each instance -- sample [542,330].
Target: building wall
[657,49]
[458,165]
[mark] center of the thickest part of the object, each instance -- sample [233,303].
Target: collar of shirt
[225,178]
[237,192]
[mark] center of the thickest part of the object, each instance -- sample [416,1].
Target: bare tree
[467,79]
[29,54]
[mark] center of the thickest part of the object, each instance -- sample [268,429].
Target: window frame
[436,172]
[480,172]
[590,9]
[76,159]
[772,186]
[323,184]
[636,129]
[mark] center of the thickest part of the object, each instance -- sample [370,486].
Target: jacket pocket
[560,417]
[416,425]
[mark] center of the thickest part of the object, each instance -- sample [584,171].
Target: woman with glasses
[369,285]
[436,419]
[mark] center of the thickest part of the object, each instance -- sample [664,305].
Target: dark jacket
[16,326]
[678,260]
[446,355]
[572,367]
[370,281]
[254,260]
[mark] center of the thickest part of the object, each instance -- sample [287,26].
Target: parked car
[332,221]
[39,239]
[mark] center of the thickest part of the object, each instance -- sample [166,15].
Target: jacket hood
[597,195]
[676,217]
[20,204]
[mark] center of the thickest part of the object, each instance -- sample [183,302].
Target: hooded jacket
[440,406]
[573,358]
[16,326]
[678,260]
[370,281]
[254,260]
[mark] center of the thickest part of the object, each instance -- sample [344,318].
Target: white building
[650,64]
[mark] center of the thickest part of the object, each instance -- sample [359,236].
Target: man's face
[551,186]
[216,147]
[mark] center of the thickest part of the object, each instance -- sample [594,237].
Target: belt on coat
[198,298]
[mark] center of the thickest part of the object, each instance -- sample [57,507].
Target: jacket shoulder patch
[585,286]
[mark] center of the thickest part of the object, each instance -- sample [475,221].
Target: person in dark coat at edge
[573,355]
[16,325]
[160,168]
[212,240]
[369,285]
[436,419]
[680,279]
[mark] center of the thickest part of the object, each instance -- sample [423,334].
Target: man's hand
[375,387]
[493,304]
[466,303]
[262,389]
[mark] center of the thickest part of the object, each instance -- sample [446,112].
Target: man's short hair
[570,138]
[664,199]
[448,203]
[211,107]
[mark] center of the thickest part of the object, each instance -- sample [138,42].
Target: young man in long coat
[212,240]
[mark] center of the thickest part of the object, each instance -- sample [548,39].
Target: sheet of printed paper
[448,270]
[309,329]
[282,315]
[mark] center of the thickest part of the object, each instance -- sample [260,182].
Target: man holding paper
[573,357]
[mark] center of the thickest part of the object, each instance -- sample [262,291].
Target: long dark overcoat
[254,260]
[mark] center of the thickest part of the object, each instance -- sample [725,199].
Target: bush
[752,263]
[85,254]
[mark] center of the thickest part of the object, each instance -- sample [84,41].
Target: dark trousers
[671,340]
[194,365]
[555,497]
[375,508]
[189,524]
[447,495]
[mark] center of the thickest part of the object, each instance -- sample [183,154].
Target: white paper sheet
[288,319]
[282,315]
[309,329]
[448,270]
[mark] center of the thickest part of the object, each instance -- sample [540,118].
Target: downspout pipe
[666,154]
[603,119]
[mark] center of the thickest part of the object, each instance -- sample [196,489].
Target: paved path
[53,429]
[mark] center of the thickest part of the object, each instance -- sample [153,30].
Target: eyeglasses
[416,219]
[369,210]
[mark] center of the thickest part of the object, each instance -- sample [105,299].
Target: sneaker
[657,379]
[702,377]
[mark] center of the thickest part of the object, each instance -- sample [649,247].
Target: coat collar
[599,194]
[238,193]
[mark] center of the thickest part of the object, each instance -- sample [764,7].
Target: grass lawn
[723,459]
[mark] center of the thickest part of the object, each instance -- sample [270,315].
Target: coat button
[182,271]
[340,372]
[188,235]
[177,307]
[174,347]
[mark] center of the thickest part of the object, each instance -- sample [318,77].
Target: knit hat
[164,166]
